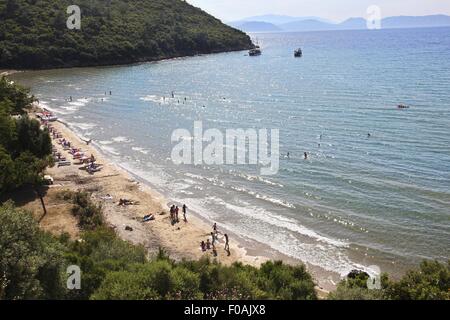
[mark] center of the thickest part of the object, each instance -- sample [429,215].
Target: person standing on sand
[215,229]
[172,213]
[213,237]
[227,244]
[184,212]
[176,214]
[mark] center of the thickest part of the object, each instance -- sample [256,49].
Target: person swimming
[305,155]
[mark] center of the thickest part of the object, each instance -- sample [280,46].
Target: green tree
[7,171]
[431,281]
[31,262]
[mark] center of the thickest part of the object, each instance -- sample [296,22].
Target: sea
[375,188]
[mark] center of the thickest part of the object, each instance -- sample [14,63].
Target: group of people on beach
[174,214]
[211,244]
[77,154]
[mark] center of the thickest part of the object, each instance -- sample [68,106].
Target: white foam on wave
[214,180]
[155,98]
[139,149]
[250,177]
[265,197]
[264,227]
[280,221]
[121,139]
[153,176]
[83,126]
[110,150]
[71,109]
[80,102]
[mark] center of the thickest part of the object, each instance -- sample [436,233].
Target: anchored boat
[255,51]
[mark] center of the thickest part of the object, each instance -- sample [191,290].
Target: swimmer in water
[306,155]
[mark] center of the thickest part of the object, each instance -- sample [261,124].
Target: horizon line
[318,17]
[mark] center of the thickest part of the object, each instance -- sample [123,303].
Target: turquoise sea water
[357,200]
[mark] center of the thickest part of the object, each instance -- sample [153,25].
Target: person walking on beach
[176,214]
[213,237]
[227,244]
[172,213]
[215,229]
[184,212]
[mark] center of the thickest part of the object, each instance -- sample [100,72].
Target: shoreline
[7,72]
[181,241]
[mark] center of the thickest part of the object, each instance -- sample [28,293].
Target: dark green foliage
[14,99]
[165,279]
[24,147]
[33,34]
[355,288]
[88,214]
[31,262]
[431,281]
[100,253]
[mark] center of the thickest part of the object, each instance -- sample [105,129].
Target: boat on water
[402,106]
[298,53]
[256,51]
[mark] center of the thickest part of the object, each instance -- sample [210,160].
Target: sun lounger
[94,170]
[64,164]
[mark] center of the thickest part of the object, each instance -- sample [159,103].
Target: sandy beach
[180,241]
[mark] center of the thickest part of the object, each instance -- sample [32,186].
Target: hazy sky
[336,10]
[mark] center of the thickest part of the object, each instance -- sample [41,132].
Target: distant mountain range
[279,23]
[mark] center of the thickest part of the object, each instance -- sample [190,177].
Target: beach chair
[64,164]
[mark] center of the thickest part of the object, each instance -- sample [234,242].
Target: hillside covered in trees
[34,34]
